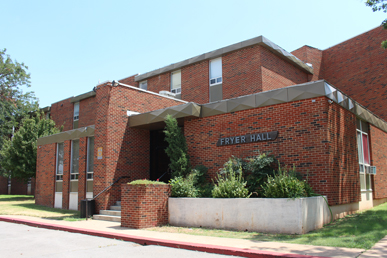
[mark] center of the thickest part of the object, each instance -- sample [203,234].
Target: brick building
[322,110]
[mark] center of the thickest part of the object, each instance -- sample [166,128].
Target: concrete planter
[271,215]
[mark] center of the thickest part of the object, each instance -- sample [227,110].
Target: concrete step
[107,217]
[118,203]
[115,207]
[110,212]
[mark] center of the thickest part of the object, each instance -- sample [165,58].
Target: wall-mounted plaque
[248,138]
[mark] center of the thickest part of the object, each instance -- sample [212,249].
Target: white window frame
[58,177]
[143,82]
[217,81]
[176,90]
[76,118]
[363,167]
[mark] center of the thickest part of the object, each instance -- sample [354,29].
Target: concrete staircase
[114,214]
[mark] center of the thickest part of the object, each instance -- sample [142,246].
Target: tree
[177,148]
[20,152]
[379,5]
[14,104]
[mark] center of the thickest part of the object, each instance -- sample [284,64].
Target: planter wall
[271,215]
[144,206]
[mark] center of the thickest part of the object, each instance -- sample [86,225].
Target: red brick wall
[45,175]
[129,81]
[195,83]
[66,174]
[86,112]
[278,73]
[62,113]
[344,180]
[303,140]
[82,170]
[18,187]
[3,185]
[312,56]
[159,82]
[125,150]
[357,67]
[378,146]
[144,206]
[242,72]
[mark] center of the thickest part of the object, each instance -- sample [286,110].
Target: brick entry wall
[144,206]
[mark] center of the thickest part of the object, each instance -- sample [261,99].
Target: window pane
[176,80]
[76,109]
[144,85]
[368,181]
[362,182]
[75,157]
[365,149]
[216,68]
[90,155]
[59,162]
[359,147]
[364,127]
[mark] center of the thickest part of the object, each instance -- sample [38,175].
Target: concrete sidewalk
[229,246]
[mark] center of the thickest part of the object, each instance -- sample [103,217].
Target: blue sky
[70,46]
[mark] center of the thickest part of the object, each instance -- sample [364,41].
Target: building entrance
[159,160]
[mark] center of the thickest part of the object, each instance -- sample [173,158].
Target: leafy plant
[285,184]
[230,184]
[257,170]
[146,182]
[183,187]
[234,163]
[177,148]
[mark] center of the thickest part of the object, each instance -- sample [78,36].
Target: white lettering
[252,138]
[243,139]
[259,137]
[237,139]
[232,140]
[227,141]
[267,136]
[221,141]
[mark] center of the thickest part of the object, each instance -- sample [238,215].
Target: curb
[167,243]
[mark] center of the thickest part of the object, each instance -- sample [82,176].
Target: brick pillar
[144,206]
[82,170]
[66,174]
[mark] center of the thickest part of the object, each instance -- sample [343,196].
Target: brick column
[144,206]
[82,170]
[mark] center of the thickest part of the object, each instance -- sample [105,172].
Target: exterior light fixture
[115,83]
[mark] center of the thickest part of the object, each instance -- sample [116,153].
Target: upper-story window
[176,82]
[76,115]
[364,155]
[144,85]
[216,71]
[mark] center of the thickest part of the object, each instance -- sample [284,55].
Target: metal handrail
[118,179]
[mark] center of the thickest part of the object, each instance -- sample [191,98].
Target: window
[364,155]
[76,115]
[144,85]
[74,160]
[59,161]
[176,82]
[90,164]
[216,71]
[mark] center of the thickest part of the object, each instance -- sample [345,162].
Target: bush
[230,184]
[285,184]
[257,170]
[203,186]
[183,187]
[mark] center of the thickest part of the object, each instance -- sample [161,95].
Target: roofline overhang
[67,135]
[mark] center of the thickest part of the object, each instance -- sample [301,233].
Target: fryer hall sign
[248,138]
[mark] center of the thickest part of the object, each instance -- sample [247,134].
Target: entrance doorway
[159,160]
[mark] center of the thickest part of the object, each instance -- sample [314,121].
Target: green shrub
[257,170]
[230,184]
[183,187]
[146,182]
[285,184]
[236,164]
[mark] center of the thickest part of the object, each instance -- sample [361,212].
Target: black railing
[104,190]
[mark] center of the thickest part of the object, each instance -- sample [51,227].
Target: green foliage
[201,183]
[230,183]
[14,104]
[177,148]
[285,184]
[183,187]
[146,182]
[18,155]
[257,170]
[379,5]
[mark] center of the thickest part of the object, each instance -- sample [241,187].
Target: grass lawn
[25,205]
[360,230]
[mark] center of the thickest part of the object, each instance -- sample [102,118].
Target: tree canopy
[20,152]
[379,5]
[14,103]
